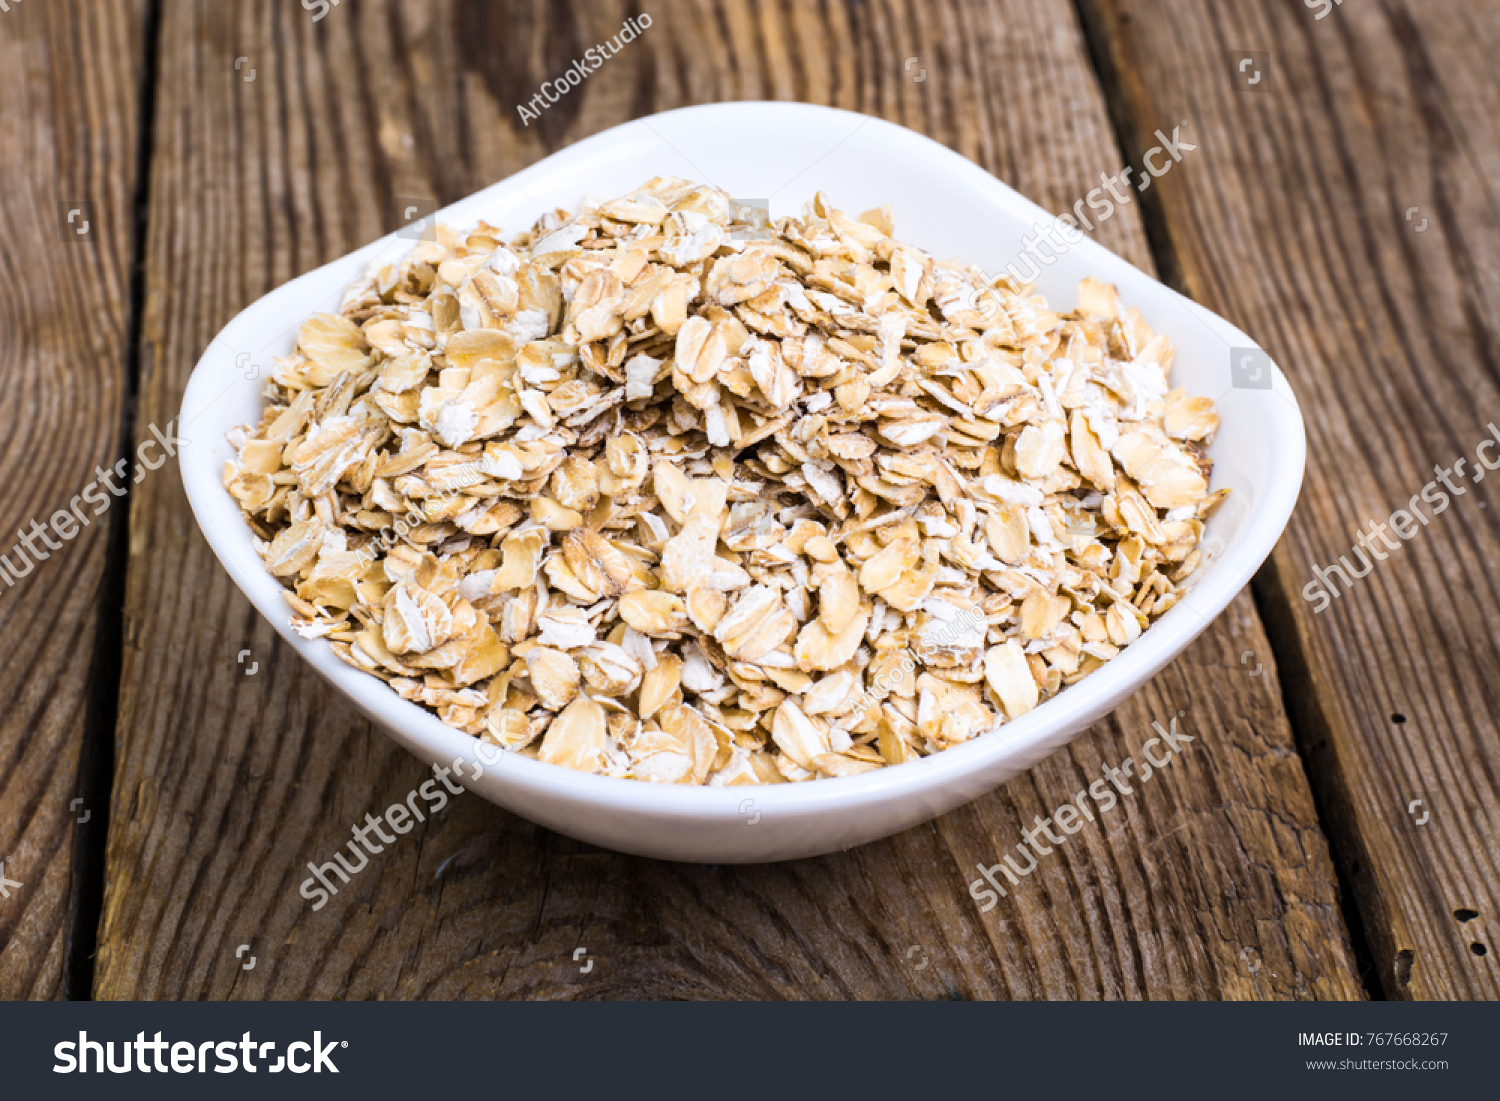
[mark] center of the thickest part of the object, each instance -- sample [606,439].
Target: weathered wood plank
[1346,216]
[69,78]
[1212,881]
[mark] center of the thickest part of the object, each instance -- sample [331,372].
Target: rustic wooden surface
[63,362]
[1388,326]
[1216,880]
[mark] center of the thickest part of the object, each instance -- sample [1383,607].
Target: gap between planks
[1286,646]
[96,762]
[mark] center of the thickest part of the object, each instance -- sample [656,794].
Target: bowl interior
[942,203]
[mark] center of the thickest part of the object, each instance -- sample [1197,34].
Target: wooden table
[158,804]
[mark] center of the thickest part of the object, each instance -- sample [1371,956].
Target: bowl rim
[1032,736]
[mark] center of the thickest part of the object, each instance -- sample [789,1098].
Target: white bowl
[783,152]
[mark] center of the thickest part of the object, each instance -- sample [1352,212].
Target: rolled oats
[669,491]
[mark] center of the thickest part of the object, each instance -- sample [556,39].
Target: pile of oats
[668,491]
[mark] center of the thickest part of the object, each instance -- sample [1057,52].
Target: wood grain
[1213,881]
[69,77]
[1346,217]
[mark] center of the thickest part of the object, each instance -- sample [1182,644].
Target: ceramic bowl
[782,153]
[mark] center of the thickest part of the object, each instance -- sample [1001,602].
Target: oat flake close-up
[668,490]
